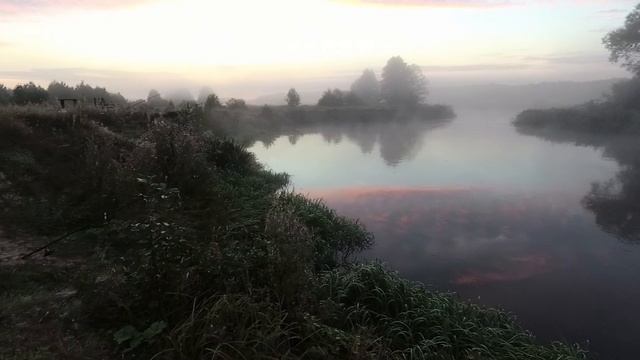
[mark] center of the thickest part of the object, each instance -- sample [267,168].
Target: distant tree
[333,97]
[205,91]
[367,87]
[236,104]
[624,43]
[29,94]
[337,97]
[350,99]
[293,98]
[266,112]
[153,95]
[155,100]
[211,103]
[627,93]
[60,90]
[6,97]
[402,84]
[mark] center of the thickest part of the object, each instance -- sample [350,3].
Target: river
[471,206]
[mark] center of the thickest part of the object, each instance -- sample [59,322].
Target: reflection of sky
[474,150]
[495,216]
[541,256]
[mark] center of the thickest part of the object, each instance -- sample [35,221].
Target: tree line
[31,93]
[401,85]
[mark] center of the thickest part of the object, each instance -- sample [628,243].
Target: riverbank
[178,244]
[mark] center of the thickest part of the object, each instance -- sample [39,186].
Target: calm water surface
[472,206]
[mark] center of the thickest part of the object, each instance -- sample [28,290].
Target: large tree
[402,84]
[367,87]
[624,43]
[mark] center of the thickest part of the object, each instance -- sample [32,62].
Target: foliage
[409,322]
[29,93]
[6,95]
[236,104]
[212,102]
[367,88]
[626,94]
[293,98]
[402,84]
[624,43]
[155,100]
[338,97]
[60,90]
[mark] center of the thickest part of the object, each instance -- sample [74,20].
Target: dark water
[500,218]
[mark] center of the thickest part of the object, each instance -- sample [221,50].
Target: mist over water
[475,207]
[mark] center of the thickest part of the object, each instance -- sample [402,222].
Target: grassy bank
[162,240]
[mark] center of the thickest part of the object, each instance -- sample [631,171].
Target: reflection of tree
[398,140]
[401,142]
[615,203]
[293,139]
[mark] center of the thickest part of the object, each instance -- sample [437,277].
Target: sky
[250,48]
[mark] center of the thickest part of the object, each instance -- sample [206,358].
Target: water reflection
[397,141]
[616,202]
[537,255]
[500,218]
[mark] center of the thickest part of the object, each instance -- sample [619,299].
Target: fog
[319,179]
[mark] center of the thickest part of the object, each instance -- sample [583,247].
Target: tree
[155,100]
[624,43]
[205,91]
[211,103]
[402,84]
[293,98]
[337,97]
[627,93]
[6,97]
[29,94]
[236,104]
[331,98]
[367,87]
[60,90]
